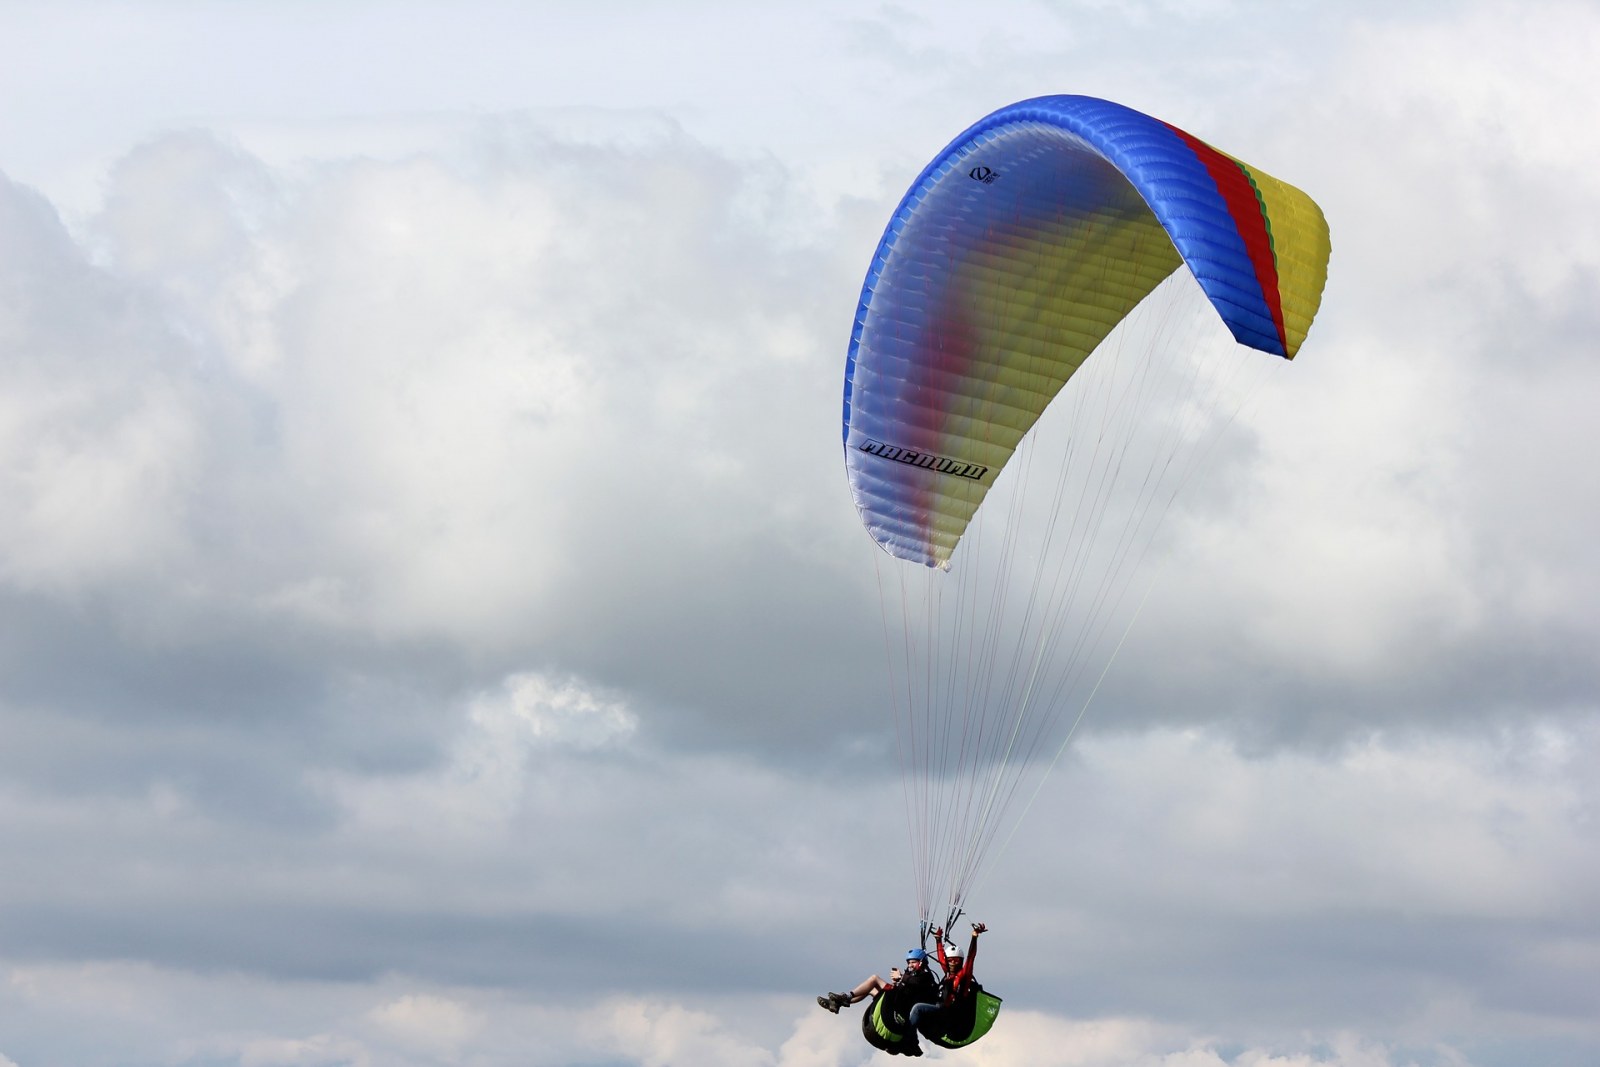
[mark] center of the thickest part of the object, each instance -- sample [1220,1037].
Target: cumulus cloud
[494,1029]
[1123,1042]
[560,713]
[1393,534]
[527,402]
[430,1023]
[97,430]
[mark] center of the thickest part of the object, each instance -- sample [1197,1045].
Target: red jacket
[955,984]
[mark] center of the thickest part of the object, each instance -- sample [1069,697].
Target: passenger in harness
[915,980]
[886,1022]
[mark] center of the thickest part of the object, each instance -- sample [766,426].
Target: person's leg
[925,1019]
[834,1001]
[866,989]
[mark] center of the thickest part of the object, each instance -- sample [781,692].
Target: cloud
[658,1035]
[524,402]
[433,625]
[1396,532]
[1124,1042]
[97,434]
[418,1028]
[379,387]
[424,1021]
[532,710]
[1286,895]
[355,444]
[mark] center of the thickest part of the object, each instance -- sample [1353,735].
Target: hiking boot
[834,1001]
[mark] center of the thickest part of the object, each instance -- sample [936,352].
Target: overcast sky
[434,628]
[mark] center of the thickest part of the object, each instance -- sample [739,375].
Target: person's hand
[894,973]
[938,931]
[978,928]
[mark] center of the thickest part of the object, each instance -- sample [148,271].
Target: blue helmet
[917,954]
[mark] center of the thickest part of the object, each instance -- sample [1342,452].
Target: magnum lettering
[925,460]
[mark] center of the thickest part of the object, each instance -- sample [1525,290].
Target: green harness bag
[885,1026]
[985,1007]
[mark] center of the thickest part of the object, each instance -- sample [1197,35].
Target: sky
[435,629]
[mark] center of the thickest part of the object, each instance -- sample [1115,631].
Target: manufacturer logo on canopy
[925,460]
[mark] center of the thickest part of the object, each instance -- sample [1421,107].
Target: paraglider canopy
[1011,257]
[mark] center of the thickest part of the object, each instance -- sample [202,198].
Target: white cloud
[479,397]
[427,1022]
[1050,1041]
[98,436]
[662,1035]
[319,1050]
[500,762]
[1409,517]
[316,1025]
[549,711]
[822,1042]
